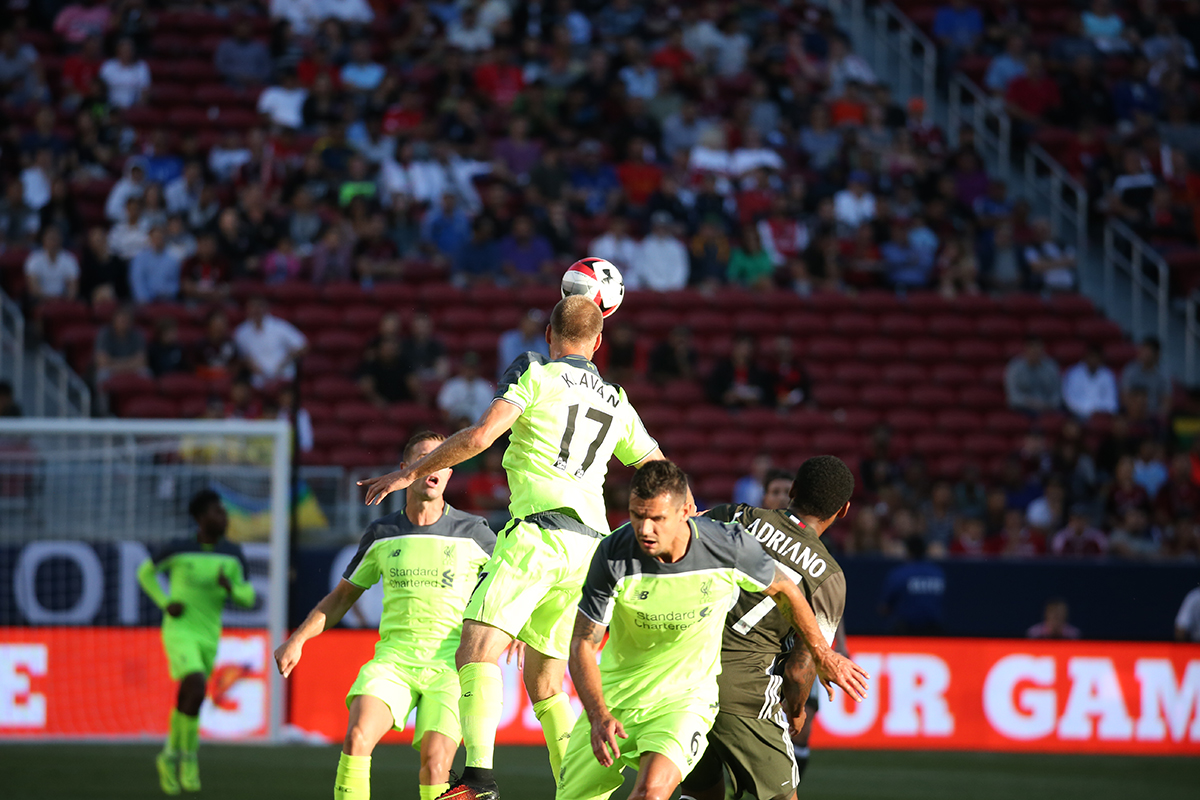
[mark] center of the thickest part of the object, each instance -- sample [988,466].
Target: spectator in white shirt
[133,184]
[129,236]
[855,204]
[268,345]
[182,194]
[1187,621]
[284,104]
[36,179]
[639,77]
[616,245]
[51,271]
[753,154]
[846,67]
[468,34]
[465,396]
[1090,387]
[662,259]
[1052,266]
[126,76]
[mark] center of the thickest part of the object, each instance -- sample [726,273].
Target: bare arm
[585,644]
[831,667]
[799,673]
[329,612]
[468,442]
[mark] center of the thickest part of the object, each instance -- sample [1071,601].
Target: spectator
[283,103]
[1032,380]
[1150,467]
[787,379]
[447,228]
[154,272]
[1079,538]
[1054,623]
[87,19]
[518,152]
[216,356]
[675,358]
[594,184]
[709,254]
[958,28]
[1084,95]
[914,592]
[737,381]
[37,178]
[1006,67]
[1104,27]
[204,277]
[386,376]
[625,355]
[268,345]
[661,264]
[132,184]
[1090,387]
[1147,374]
[285,409]
[120,347]
[182,194]
[528,336]
[468,34]
[181,244]
[464,397]
[1050,266]
[749,488]
[940,517]
[18,64]
[783,233]
[51,271]
[1134,537]
[525,256]
[479,259]
[855,204]
[166,354]
[1187,621]
[1032,96]
[104,276]
[845,67]
[616,245]
[282,264]
[241,59]
[242,403]
[425,352]
[126,76]
[362,73]
[908,265]
[749,264]
[682,130]
[1179,497]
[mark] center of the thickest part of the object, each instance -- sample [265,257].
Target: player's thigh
[550,624]
[582,777]
[758,755]
[522,569]
[391,684]
[187,655]
[437,707]
[658,775]
[680,734]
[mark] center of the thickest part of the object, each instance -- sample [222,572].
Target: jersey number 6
[564,448]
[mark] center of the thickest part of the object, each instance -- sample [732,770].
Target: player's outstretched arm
[832,668]
[329,612]
[467,443]
[147,575]
[606,729]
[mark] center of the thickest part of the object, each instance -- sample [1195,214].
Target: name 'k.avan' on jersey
[572,422]
[756,632]
[428,574]
[665,620]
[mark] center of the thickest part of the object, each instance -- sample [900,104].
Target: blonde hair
[576,320]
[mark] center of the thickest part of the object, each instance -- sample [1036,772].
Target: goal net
[82,504]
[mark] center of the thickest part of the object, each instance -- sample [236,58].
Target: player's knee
[358,742]
[651,792]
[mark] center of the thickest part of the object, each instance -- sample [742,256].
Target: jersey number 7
[564,448]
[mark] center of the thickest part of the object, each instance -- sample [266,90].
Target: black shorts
[758,754]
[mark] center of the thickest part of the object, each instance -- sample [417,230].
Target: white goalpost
[82,503]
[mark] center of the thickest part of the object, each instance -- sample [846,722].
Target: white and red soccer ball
[597,279]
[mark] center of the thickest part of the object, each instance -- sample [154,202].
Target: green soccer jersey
[572,422]
[428,574]
[666,620]
[193,570]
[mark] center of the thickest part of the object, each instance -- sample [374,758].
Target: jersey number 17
[564,447]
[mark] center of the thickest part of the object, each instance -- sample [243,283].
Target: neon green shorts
[680,734]
[530,587]
[433,690]
[188,654]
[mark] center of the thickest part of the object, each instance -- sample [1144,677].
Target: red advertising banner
[952,694]
[112,683]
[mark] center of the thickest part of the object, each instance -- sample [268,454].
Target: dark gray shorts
[757,753]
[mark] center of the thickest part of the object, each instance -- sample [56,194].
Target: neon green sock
[431,792]
[353,780]
[174,741]
[480,707]
[189,734]
[557,720]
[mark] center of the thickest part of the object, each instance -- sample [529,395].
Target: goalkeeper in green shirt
[203,573]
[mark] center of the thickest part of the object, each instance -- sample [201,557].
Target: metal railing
[43,382]
[971,105]
[12,346]
[1049,185]
[900,53]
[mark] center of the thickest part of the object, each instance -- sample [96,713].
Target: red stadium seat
[953,374]
[956,420]
[883,397]
[927,350]
[1021,304]
[394,296]
[982,398]
[878,302]
[859,419]
[1049,328]
[344,294]
[1072,305]
[835,395]
[829,348]
[852,323]
[339,342]
[707,418]
[855,372]
[332,435]
[804,323]
[149,407]
[334,387]
[1118,354]
[902,326]
[927,303]
[880,350]
[932,444]
[183,386]
[656,417]
[360,316]
[951,326]
[999,327]
[977,351]
[681,440]
[411,416]
[358,412]
[836,442]
[351,456]
[932,397]
[315,317]
[682,393]
[788,447]
[129,385]
[905,373]
[1098,330]
[1007,423]
[388,437]
[716,488]
[730,440]
[985,445]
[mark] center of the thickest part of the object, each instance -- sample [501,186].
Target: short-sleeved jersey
[572,422]
[193,570]
[428,573]
[665,620]
[756,632]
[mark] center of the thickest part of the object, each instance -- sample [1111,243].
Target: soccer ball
[597,279]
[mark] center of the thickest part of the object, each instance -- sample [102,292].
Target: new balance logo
[643,595]
[395,553]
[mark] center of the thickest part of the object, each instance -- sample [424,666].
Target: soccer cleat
[189,773]
[167,778]
[461,790]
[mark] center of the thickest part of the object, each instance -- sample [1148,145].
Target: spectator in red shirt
[1054,623]
[969,539]
[498,78]
[205,275]
[80,70]
[1179,498]
[1124,494]
[639,175]
[674,56]
[849,109]
[405,115]
[1079,538]
[1018,539]
[1032,95]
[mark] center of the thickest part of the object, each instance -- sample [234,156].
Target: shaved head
[576,321]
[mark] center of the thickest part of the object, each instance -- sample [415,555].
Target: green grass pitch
[126,772]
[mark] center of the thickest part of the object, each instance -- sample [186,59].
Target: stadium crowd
[199,154]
